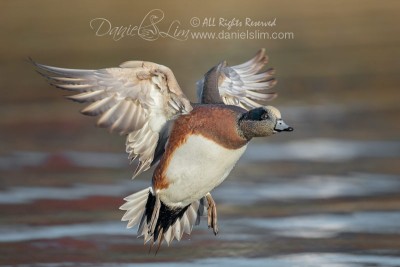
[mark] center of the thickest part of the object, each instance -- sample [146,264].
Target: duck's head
[262,121]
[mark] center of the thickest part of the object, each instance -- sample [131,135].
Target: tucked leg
[212,213]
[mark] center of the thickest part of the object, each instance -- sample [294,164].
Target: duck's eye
[265,116]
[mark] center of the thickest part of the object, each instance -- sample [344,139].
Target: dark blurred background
[328,193]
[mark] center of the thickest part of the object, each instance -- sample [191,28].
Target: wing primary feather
[260,86]
[98,107]
[260,96]
[91,96]
[64,71]
[73,87]
[260,55]
[260,77]
[65,79]
[119,120]
[110,116]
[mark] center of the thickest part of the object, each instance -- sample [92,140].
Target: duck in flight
[194,146]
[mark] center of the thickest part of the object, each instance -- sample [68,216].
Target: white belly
[196,168]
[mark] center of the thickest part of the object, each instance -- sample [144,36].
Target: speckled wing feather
[241,85]
[135,99]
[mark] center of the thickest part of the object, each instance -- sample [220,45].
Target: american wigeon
[195,146]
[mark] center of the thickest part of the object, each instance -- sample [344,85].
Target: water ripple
[291,260]
[318,150]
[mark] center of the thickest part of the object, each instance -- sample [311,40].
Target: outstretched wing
[241,85]
[135,99]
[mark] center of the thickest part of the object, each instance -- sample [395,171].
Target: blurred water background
[327,194]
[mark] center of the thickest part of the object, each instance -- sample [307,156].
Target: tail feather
[168,236]
[158,222]
[134,207]
[177,230]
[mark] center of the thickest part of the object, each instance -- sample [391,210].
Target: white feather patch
[197,167]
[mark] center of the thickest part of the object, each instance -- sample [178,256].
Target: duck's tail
[158,222]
